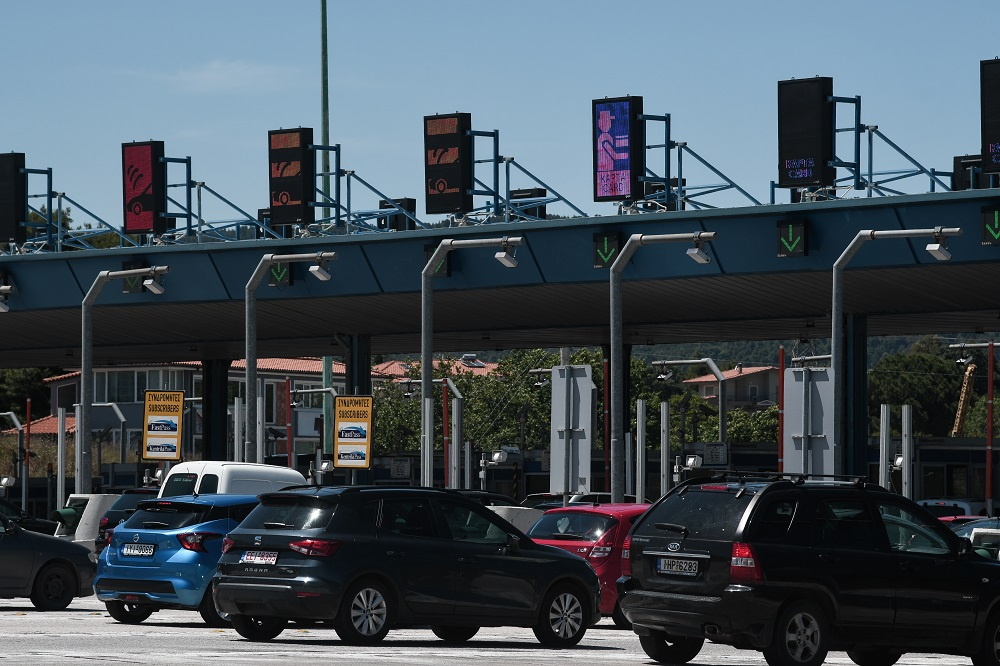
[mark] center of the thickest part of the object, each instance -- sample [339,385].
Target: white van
[212,476]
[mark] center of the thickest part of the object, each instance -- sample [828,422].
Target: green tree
[753,426]
[19,384]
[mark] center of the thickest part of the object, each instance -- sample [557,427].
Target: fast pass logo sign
[619,148]
[352,423]
[161,434]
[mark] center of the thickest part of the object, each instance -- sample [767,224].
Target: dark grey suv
[373,558]
[795,567]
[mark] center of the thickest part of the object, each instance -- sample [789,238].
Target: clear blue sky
[211,78]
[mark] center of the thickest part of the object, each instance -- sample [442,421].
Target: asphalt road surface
[85,634]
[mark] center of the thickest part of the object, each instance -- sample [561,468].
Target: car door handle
[394,553]
[827,559]
[909,566]
[465,560]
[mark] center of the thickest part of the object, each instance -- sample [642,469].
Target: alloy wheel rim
[368,611]
[565,615]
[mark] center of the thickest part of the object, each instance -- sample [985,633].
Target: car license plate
[259,557]
[670,565]
[139,549]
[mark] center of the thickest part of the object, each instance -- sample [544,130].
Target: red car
[596,533]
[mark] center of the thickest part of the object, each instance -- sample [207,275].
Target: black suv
[373,558]
[795,567]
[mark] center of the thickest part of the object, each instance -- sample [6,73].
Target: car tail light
[103,525]
[107,536]
[743,567]
[627,556]
[602,549]
[196,540]
[315,547]
[227,543]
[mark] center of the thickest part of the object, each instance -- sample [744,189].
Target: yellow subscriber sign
[352,421]
[161,425]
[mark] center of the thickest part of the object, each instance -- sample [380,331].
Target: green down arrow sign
[991,225]
[792,238]
[606,247]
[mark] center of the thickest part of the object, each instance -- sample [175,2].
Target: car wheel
[989,652]
[210,614]
[128,613]
[365,614]
[562,617]
[618,617]
[54,588]
[258,629]
[801,637]
[667,650]
[874,657]
[453,634]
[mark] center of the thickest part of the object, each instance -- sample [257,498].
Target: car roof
[335,491]
[623,509]
[207,499]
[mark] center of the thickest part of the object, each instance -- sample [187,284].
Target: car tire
[666,650]
[801,636]
[874,657]
[210,614]
[365,614]
[562,620]
[454,634]
[989,652]
[618,617]
[127,613]
[54,588]
[258,629]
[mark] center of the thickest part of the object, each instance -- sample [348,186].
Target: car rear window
[571,526]
[706,511]
[166,516]
[129,501]
[161,515]
[179,484]
[290,513]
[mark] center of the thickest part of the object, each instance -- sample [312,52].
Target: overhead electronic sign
[13,198]
[291,176]
[144,187]
[448,163]
[989,102]
[619,142]
[805,132]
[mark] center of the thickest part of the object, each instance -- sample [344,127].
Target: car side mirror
[513,544]
[965,547]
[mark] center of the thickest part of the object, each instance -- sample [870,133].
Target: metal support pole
[86,365]
[617,372]
[837,323]
[427,342]
[989,432]
[664,447]
[640,451]
[61,457]
[885,455]
[252,445]
[907,428]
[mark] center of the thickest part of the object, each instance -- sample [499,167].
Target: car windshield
[129,501]
[290,513]
[571,526]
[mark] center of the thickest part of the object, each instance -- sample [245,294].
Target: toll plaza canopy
[769,278]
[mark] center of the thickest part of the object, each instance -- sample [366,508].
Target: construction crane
[964,400]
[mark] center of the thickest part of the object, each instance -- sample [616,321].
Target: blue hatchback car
[165,554]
